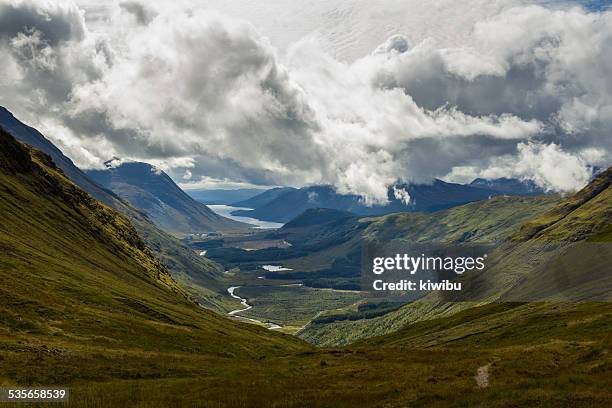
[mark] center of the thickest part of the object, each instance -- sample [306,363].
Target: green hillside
[86,305]
[584,214]
[485,222]
[531,354]
[75,276]
[551,257]
[508,355]
[199,275]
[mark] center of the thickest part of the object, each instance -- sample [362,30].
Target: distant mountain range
[264,198]
[223,196]
[423,198]
[153,191]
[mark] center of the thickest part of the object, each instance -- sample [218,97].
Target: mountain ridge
[223,196]
[76,275]
[559,255]
[423,198]
[153,191]
[263,198]
[34,138]
[508,185]
[198,273]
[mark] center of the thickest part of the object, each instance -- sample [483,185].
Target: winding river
[246,306]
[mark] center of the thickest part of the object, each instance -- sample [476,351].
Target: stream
[243,302]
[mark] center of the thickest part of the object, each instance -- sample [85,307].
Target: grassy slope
[487,221]
[483,222]
[578,217]
[86,306]
[202,277]
[536,354]
[550,257]
[75,278]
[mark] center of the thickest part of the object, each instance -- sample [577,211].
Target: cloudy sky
[354,93]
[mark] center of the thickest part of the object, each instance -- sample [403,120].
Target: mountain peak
[148,188]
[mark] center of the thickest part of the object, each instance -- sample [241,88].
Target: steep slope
[560,255]
[197,273]
[74,276]
[34,138]
[423,198]
[585,213]
[488,221]
[153,191]
[264,198]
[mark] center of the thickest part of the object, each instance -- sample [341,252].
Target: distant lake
[225,211]
[275,268]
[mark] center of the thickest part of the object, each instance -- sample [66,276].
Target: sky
[352,93]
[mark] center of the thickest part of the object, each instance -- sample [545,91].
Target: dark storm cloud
[55,23]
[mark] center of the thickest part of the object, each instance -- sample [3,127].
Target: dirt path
[482,376]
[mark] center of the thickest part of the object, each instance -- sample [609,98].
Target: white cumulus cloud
[197,93]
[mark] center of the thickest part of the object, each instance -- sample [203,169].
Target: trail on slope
[482,376]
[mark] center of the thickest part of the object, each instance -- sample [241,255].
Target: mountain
[423,198]
[319,228]
[197,273]
[557,255]
[508,186]
[335,246]
[166,204]
[78,285]
[151,190]
[34,138]
[317,217]
[264,198]
[482,222]
[327,246]
[223,197]
[86,306]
